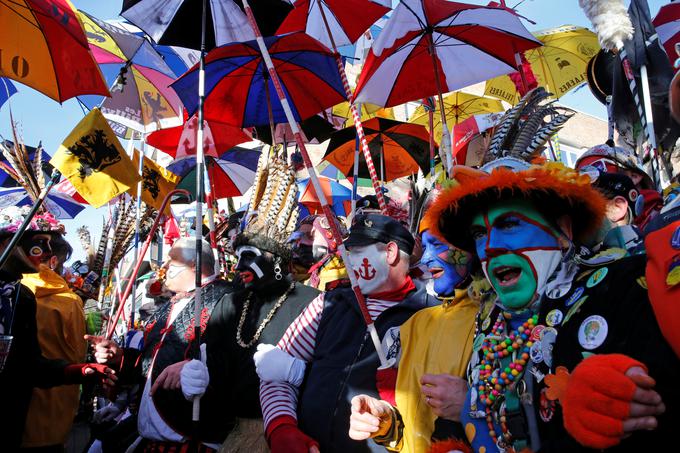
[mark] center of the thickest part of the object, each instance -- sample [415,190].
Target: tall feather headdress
[273,210]
[524,130]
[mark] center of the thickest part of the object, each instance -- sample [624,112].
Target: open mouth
[246,277]
[436,272]
[507,275]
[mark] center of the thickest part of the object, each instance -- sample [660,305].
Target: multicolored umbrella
[667,24]
[44,47]
[141,98]
[458,106]
[180,141]
[59,204]
[345,20]
[339,196]
[367,112]
[231,175]
[399,149]
[560,65]
[240,92]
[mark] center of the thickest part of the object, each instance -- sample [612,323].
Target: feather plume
[610,20]
[547,131]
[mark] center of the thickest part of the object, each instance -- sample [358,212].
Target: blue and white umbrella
[7,89]
[60,205]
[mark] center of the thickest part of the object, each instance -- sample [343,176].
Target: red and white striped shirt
[299,340]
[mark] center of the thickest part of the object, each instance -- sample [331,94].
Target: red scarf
[398,294]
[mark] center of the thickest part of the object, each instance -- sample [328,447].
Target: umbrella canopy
[45,48]
[458,106]
[431,47]
[142,99]
[559,66]
[338,196]
[178,22]
[58,204]
[237,83]
[367,112]
[314,129]
[180,141]
[346,19]
[400,148]
[7,89]
[667,24]
[231,175]
[466,131]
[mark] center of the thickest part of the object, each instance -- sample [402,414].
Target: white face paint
[174,270]
[370,267]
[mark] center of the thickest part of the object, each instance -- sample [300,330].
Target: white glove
[106,414]
[194,379]
[274,365]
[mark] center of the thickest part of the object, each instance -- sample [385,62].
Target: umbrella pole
[445,144]
[272,128]
[316,184]
[138,221]
[200,158]
[430,119]
[355,175]
[355,117]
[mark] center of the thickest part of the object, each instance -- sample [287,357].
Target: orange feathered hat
[555,189]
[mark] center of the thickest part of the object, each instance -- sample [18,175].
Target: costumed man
[61,327]
[612,159]
[436,345]
[315,253]
[22,365]
[329,347]
[618,235]
[165,368]
[563,347]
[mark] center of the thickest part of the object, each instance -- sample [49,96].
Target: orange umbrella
[44,47]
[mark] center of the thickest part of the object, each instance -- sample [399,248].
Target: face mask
[370,267]
[174,270]
[448,265]
[518,249]
[36,247]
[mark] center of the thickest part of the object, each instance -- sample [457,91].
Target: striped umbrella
[399,149]
[339,196]
[58,204]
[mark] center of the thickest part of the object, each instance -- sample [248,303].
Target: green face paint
[518,249]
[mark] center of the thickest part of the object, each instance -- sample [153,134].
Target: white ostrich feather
[610,21]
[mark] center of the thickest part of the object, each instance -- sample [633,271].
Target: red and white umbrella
[346,19]
[466,44]
[465,131]
[667,24]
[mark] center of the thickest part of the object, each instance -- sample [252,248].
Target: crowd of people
[526,306]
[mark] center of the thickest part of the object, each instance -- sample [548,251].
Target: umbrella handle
[56,174]
[145,247]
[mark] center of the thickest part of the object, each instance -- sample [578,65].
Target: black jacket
[344,365]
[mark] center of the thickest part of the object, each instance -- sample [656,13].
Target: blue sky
[42,119]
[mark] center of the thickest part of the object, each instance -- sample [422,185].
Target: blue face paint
[448,265]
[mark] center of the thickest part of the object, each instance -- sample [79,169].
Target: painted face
[448,265]
[36,247]
[370,267]
[254,267]
[518,250]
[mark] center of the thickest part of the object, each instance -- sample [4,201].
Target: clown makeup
[254,267]
[448,265]
[370,267]
[37,247]
[518,249]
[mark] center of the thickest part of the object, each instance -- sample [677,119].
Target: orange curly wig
[555,189]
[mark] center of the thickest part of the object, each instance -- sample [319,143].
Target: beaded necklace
[265,321]
[494,381]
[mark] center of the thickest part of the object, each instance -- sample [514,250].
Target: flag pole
[316,184]
[356,117]
[138,224]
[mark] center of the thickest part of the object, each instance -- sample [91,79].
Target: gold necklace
[265,321]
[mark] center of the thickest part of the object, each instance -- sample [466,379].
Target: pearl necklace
[264,322]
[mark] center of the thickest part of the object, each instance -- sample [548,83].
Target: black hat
[368,229]
[617,184]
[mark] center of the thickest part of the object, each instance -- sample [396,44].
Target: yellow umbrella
[368,111]
[559,66]
[458,106]
[44,47]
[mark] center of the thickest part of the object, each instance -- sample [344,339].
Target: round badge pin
[554,317]
[574,296]
[536,332]
[536,352]
[548,338]
[597,277]
[593,332]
